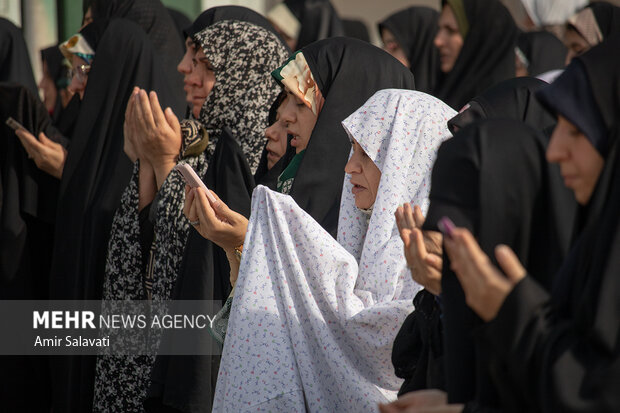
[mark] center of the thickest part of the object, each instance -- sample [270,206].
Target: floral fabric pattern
[242,56]
[295,74]
[313,319]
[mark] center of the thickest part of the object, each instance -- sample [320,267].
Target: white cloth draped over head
[551,12]
[313,319]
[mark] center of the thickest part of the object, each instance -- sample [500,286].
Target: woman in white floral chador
[313,320]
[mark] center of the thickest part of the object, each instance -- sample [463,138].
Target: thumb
[510,264]
[45,140]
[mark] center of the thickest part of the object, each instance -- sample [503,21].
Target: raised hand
[484,285]
[423,249]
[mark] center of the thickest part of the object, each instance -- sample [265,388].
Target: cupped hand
[423,250]
[130,144]
[215,222]
[484,285]
[48,155]
[158,134]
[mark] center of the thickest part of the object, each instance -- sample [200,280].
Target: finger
[434,261]
[408,214]
[145,108]
[173,121]
[398,215]
[130,103]
[418,243]
[45,141]
[509,262]
[189,200]
[206,214]
[418,216]
[29,142]
[158,114]
[405,236]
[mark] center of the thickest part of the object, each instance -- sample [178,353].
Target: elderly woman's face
[580,163]
[365,177]
[198,79]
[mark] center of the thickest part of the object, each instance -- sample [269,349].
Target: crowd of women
[371,248]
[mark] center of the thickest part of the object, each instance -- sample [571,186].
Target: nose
[185,65]
[556,152]
[353,165]
[76,85]
[288,111]
[272,132]
[438,40]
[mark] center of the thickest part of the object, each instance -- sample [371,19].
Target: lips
[293,138]
[357,188]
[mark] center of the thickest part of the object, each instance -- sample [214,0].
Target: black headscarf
[356,29]
[561,350]
[14,60]
[154,19]
[544,52]
[216,14]
[513,99]
[335,64]
[55,66]
[181,21]
[414,29]
[487,56]
[318,20]
[96,172]
[492,178]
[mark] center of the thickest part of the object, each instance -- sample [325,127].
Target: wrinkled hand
[130,145]
[484,285]
[423,249]
[217,222]
[158,134]
[48,155]
[421,401]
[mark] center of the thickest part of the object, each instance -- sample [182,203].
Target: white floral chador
[313,319]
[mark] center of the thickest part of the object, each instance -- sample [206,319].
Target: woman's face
[185,67]
[448,41]
[199,79]
[299,120]
[365,177]
[575,43]
[580,163]
[79,75]
[276,138]
[391,46]
[48,87]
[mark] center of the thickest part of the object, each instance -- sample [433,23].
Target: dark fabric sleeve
[550,360]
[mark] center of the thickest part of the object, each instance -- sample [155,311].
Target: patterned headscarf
[585,23]
[242,56]
[400,131]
